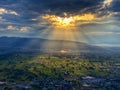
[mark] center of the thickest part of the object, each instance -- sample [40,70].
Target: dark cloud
[55,6]
[61,6]
[33,8]
[115,7]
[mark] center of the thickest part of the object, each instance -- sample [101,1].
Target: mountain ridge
[21,44]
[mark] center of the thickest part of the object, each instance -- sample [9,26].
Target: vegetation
[26,67]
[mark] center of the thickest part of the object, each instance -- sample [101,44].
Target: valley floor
[57,72]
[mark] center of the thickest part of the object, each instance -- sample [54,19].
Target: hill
[38,45]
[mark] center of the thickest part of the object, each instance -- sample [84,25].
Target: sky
[89,21]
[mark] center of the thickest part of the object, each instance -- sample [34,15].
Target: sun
[68,20]
[63,51]
[59,21]
[65,21]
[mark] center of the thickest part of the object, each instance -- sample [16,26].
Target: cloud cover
[24,16]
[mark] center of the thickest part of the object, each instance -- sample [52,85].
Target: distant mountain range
[17,44]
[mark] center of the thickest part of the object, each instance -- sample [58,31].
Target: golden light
[61,28]
[65,21]
[59,21]
[63,51]
[68,20]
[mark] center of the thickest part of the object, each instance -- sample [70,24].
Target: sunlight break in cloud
[10,27]
[16,28]
[5,11]
[24,29]
[68,20]
[107,3]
